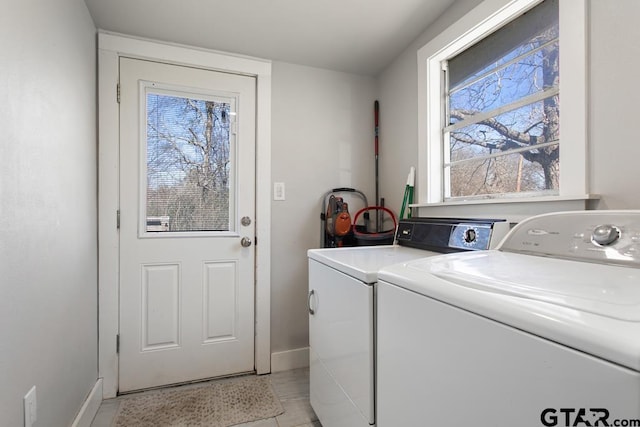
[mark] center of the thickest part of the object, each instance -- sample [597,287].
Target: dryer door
[341,347]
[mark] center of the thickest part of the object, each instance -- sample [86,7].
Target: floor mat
[216,404]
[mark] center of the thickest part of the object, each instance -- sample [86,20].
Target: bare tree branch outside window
[188,163]
[503,133]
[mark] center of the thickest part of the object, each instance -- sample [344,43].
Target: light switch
[30,408]
[278,191]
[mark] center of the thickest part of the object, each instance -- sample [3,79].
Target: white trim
[290,359]
[136,47]
[110,48]
[478,23]
[90,407]
[107,225]
[515,199]
[573,97]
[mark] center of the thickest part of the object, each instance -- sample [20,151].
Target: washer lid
[363,262]
[595,288]
[594,308]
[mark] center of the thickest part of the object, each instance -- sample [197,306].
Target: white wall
[614,52]
[48,289]
[398,85]
[614,93]
[322,138]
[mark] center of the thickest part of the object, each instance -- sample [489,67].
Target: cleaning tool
[335,225]
[408,193]
[366,238]
[376,115]
[338,220]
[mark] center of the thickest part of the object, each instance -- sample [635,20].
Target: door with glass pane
[187,202]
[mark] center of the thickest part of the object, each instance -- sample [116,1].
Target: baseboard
[290,359]
[90,407]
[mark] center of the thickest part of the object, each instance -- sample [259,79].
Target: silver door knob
[245,242]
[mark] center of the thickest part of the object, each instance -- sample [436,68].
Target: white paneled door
[187,203]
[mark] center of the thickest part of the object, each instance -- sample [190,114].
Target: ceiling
[356,36]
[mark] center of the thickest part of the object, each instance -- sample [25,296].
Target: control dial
[605,234]
[470,235]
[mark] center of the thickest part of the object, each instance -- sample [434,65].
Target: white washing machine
[543,331]
[341,310]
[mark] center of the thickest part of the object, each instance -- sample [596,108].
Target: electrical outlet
[30,408]
[278,191]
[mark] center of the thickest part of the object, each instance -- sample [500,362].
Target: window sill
[513,210]
[512,200]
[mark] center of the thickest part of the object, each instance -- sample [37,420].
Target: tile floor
[292,388]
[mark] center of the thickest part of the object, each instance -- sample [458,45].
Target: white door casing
[186,297]
[111,48]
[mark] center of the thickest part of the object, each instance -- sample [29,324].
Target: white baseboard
[290,359]
[90,407]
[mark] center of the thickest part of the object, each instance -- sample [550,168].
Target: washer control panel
[608,237]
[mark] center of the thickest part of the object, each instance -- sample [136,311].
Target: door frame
[110,48]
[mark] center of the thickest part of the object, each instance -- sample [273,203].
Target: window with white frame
[502,108]
[489,109]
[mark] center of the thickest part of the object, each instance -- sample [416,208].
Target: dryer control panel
[608,237]
[451,234]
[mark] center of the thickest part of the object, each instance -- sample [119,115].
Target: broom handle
[376,110]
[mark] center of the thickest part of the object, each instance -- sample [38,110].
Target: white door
[187,200]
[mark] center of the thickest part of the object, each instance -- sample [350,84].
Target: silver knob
[470,235]
[245,242]
[246,221]
[606,234]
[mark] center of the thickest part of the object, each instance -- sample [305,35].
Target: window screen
[502,130]
[188,163]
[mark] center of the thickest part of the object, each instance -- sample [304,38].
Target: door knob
[245,242]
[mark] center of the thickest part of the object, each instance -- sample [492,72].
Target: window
[490,122]
[189,159]
[502,108]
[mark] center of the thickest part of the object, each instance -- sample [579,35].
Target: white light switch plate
[278,191]
[30,409]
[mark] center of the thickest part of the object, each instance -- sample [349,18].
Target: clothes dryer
[341,309]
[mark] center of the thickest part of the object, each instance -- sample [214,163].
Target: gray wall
[614,93]
[398,86]
[48,255]
[322,138]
